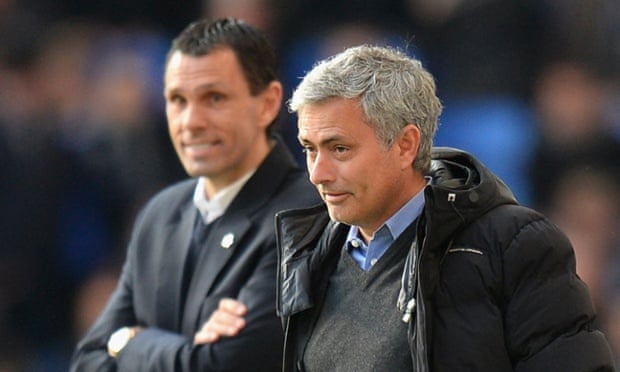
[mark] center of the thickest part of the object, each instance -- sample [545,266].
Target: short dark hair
[254,52]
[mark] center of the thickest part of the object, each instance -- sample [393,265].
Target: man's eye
[340,149]
[176,99]
[216,97]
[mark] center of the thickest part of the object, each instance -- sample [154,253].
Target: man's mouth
[334,197]
[200,148]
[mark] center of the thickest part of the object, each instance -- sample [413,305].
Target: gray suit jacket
[239,262]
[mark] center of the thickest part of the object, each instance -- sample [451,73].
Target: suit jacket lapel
[234,224]
[221,244]
[177,236]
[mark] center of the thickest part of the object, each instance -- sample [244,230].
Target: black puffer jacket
[496,288]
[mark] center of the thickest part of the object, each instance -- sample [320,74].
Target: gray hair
[394,90]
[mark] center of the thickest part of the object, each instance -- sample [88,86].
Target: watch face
[118,340]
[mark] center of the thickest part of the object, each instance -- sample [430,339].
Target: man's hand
[228,320]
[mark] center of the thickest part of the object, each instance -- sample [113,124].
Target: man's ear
[270,103]
[408,143]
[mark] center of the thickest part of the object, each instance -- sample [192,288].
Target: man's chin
[337,215]
[199,169]
[197,173]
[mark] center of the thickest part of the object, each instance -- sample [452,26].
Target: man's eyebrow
[323,141]
[198,89]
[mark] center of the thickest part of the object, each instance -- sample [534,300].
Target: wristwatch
[119,339]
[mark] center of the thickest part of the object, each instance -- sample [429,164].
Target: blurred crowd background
[532,87]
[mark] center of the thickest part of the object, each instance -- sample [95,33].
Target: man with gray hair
[420,258]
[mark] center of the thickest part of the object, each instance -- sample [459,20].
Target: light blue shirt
[367,256]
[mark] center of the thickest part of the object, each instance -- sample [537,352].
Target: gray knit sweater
[360,328]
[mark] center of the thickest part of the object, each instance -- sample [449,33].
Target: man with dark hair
[202,242]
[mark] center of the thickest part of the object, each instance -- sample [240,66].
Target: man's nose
[193,117]
[320,169]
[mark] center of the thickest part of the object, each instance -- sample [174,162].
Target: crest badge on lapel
[227,240]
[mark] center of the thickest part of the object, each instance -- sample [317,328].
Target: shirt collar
[210,209]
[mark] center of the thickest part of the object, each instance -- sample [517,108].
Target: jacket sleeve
[160,350]
[549,316]
[91,352]
[259,344]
